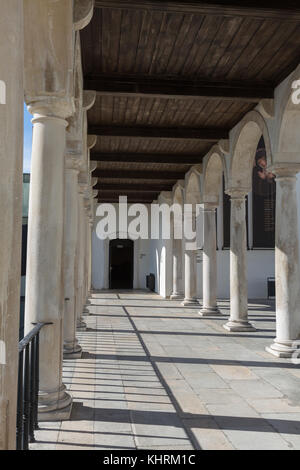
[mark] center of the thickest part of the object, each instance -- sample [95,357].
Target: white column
[220,211]
[87,250]
[86,229]
[71,347]
[190,277]
[11,161]
[44,283]
[177,270]
[250,220]
[209,263]
[90,258]
[86,255]
[287,268]
[190,260]
[238,320]
[80,262]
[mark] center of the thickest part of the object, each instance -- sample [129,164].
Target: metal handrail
[28,387]
[23,343]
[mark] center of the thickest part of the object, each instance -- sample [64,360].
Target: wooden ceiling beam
[163,133]
[178,89]
[131,201]
[133,188]
[146,158]
[260,9]
[135,174]
[129,194]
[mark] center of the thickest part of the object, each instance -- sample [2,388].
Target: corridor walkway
[156,375]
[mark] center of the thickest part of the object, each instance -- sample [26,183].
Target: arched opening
[193,196]
[213,188]
[263,200]
[121,264]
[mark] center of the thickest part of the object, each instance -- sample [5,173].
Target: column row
[287,269]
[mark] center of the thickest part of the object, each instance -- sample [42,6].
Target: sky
[27,140]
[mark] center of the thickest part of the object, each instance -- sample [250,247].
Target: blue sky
[27,140]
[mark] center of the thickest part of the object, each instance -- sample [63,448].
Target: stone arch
[177,200]
[193,192]
[214,166]
[178,193]
[244,145]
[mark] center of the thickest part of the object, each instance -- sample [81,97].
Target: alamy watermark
[296,92]
[2,92]
[2,353]
[154,221]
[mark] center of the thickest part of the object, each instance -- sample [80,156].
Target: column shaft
[80,263]
[190,278]
[177,270]
[190,259]
[209,264]
[238,320]
[44,291]
[287,269]
[71,346]
[90,259]
[86,261]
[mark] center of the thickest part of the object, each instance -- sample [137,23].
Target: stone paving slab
[155,375]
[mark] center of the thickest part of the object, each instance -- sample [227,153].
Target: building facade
[144,99]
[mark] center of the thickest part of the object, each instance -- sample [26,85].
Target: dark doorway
[121,264]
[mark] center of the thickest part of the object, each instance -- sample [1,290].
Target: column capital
[82,14]
[88,99]
[82,187]
[83,175]
[51,107]
[93,166]
[72,162]
[237,193]
[91,141]
[86,203]
[94,181]
[285,170]
[209,206]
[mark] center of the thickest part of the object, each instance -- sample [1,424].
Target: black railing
[28,387]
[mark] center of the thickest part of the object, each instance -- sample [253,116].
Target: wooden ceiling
[172,78]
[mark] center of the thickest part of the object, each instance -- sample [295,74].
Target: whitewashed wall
[155,256]
[100,260]
[161,265]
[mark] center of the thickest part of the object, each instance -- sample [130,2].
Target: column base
[239,326]
[63,414]
[72,353]
[81,326]
[209,312]
[177,296]
[285,349]
[54,405]
[190,302]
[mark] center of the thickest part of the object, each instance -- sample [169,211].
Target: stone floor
[156,375]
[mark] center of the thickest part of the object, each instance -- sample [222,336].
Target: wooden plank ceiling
[172,79]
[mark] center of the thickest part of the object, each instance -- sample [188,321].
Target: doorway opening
[120,264]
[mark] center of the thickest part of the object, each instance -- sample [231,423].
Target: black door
[121,264]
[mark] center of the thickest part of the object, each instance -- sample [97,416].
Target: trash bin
[271,287]
[150,282]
